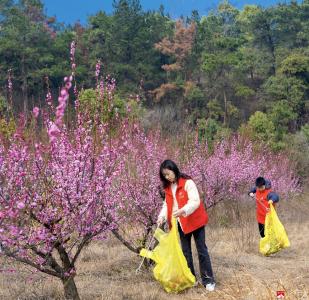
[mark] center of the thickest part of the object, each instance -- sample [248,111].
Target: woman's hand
[179,213]
[160,222]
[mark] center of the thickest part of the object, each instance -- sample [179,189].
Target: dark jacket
[271,196]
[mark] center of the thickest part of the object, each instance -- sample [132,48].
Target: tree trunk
[24,86]
[271,47]
[70,290]
[225,108]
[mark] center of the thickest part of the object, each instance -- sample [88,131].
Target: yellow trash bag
[171,268]
[275,235]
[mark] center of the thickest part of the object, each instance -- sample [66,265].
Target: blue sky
[69,11]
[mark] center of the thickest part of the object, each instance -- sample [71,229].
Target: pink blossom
[85,182]
[68,85]
[49,98]
[20,205]
[62,93]
[53,132]
[97,69]
[36,111]
[62,190]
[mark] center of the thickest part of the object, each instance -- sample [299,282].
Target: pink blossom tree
[56,193]
[139,190]
[226,173]
[230,169]
[61,189]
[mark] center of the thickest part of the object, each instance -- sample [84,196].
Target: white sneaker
[210,287]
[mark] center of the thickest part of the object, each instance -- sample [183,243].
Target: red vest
[194,221]
[262,205]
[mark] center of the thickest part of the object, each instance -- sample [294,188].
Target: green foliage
[24,44]
[211,131]
[297,145]
[282,115]
[291,89]
[296,64]
[207,129]
[195,98]
[262,127]
[195,94]
[232,64]
[305,131]
[3,105]
[7,127]
[215,111]
[92,103]
[89,101]
[125,44]
[243,91]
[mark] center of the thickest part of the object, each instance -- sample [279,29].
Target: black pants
[262,230]
[203,256]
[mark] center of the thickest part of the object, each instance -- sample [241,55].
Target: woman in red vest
[264,196]
[183,202]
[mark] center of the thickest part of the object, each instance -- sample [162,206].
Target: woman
[183,202]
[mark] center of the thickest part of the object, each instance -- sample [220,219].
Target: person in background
[264,196]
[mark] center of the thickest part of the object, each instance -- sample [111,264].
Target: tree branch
[49,259]
[126,243]
[80,247]
[30,263]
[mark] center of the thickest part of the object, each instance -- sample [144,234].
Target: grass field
[107,270]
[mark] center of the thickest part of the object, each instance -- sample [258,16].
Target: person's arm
[272,196]
[162,215]
[252,192]
[193,198]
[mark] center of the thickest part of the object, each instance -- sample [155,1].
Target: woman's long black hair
[170,165]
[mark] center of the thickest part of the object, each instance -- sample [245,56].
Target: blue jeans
[203,256]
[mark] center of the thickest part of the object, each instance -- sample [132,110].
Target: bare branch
[30,263]
[86,239]
[126,243]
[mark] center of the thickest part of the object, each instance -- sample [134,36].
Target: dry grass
[107,270]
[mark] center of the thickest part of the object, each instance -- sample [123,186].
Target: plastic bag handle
[150,243]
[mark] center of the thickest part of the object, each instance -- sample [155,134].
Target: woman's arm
[194,198]
[162,215]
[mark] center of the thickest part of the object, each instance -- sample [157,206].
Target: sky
[70,11]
